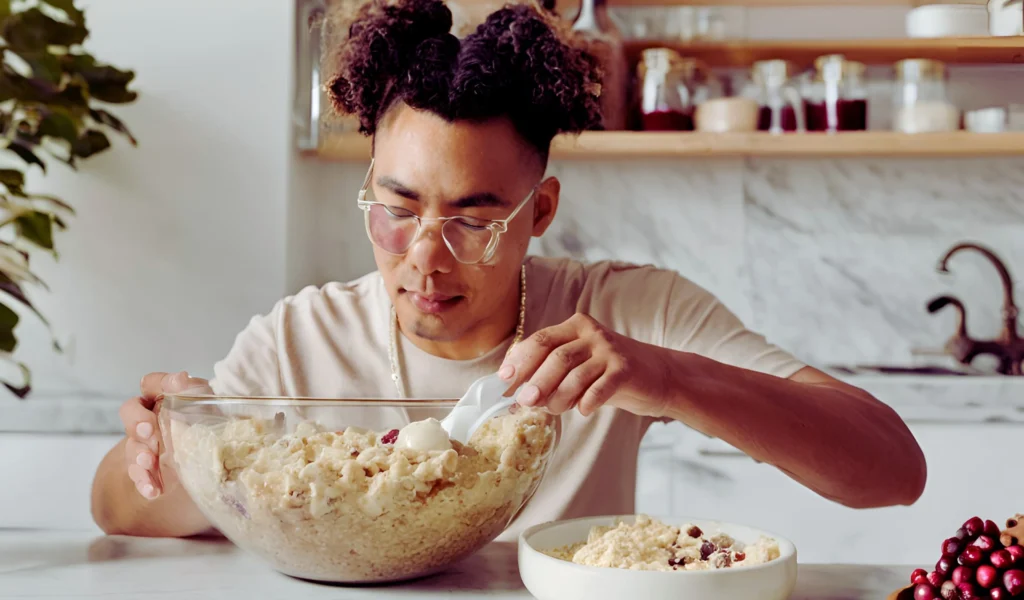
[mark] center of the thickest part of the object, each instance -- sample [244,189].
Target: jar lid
[659,58]
[920,68]
[773,71]
[668,60]
[834,67]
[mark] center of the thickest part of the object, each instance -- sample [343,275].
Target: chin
[434,327]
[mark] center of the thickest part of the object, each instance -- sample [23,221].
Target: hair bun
[520,64]
[384,42]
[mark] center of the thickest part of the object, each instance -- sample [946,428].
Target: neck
[485,336]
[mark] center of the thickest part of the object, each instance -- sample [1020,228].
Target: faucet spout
[1010,310]
[1009,346]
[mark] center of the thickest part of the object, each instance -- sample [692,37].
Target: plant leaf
[44,66]
[26,155]
[105,118]
[33,31]
[5,9]
[14,264]
[75,15]
[8,260]
[58,123]
[21,391]
[14,290]
[8,321]
[93,142]
[36,227]
[106,83]
[13,180]
[56,202]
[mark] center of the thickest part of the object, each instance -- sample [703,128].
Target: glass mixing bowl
[321,490]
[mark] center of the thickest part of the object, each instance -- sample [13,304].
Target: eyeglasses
[394,229]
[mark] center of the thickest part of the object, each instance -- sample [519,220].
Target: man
[461,132]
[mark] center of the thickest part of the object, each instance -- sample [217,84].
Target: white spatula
[481,401]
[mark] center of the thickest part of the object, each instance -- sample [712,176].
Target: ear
[545,205]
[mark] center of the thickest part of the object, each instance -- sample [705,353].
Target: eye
[472,224]
[399,212]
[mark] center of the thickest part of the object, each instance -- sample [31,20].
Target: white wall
[179,241]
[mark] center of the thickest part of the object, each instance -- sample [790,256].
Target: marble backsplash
[834,260]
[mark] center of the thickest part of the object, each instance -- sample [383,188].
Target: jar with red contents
[671,87]
[837,98]
[781,105]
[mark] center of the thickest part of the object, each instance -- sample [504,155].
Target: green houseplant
[52,99]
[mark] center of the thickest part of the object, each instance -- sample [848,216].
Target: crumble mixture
[650,545]
[357,505]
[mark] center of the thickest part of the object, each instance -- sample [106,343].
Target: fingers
[547,378]
[152,385]
[528,355]
[142,468]
[155,385]
[575,386]
[600,392]
[182,382]
[140,423]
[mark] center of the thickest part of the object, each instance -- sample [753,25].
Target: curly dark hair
[519,64]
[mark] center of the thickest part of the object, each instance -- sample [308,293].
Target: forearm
[118,509]
[837,440]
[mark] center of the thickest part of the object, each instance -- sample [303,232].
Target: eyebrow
[478,200]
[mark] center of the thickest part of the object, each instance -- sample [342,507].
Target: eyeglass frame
[497,227]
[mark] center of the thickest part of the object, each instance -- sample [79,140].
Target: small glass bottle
[781,108]
[920,103]
[837,98]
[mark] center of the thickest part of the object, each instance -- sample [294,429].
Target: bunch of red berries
[975,563]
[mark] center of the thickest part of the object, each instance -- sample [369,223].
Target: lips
[433,303]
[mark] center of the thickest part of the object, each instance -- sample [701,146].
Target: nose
[429,254]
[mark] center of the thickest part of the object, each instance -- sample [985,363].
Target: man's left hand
[583,364]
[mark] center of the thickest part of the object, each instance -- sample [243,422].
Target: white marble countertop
[41,564]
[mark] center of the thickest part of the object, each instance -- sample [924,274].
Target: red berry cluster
[974,564]
[389,437]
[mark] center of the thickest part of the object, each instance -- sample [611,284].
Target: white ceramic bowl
[948,20]
[549,578]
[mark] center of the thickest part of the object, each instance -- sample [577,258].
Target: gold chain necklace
[396,370]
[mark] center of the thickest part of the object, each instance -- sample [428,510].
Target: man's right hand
[145,455]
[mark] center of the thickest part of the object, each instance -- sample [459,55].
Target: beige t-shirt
[333,342]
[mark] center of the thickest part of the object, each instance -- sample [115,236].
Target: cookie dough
[650,545]
[357,505]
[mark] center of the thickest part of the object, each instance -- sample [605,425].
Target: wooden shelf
[763,3]
[631,144]
[987,50]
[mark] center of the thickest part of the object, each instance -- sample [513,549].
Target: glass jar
[781,108]
[1006,17]
[603,38]
[671,88]
[921,104]
[837,98]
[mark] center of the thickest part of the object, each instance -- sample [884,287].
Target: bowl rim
[214,399]
[787,549]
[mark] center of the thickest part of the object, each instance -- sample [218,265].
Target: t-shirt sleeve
[251,367]
[696,321]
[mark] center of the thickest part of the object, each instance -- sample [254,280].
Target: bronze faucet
[1008,346]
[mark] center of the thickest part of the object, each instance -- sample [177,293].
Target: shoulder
[318,311]
[605,275]
[334,300]
[608,279]
[277,351]
[632,299]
